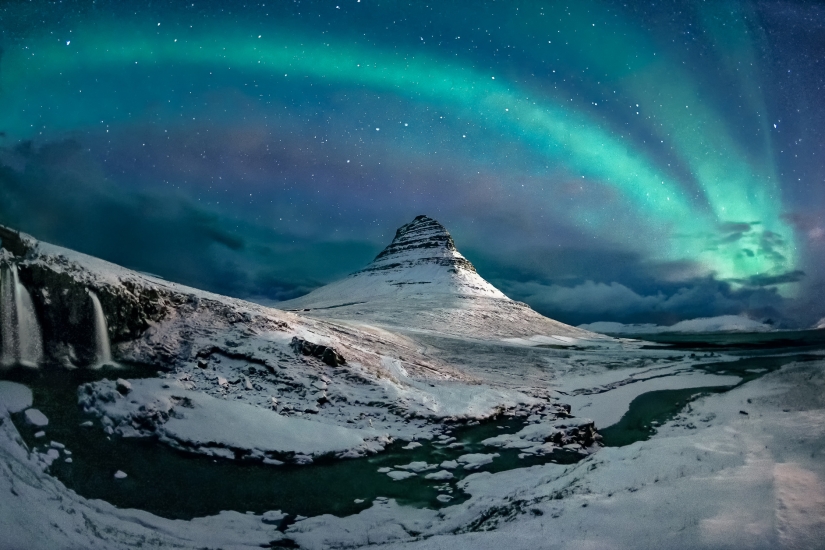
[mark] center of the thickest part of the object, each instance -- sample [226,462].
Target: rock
[120,474]
[123,386]
[273,517]
[327,354]
[246,383]
[202,364]
[36,418]
[14,397]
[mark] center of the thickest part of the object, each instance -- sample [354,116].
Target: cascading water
[8,319]
[103,350]
[21,337]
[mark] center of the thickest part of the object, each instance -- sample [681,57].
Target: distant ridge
[422,282]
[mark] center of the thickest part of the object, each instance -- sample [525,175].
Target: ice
[120,474]
[411,445]
[14,397]
[441,475]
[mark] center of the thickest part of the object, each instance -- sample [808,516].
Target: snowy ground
[713,477]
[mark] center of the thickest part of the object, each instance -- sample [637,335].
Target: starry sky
[612,160]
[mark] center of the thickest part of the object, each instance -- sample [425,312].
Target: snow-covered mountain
[422,282]
[722,323]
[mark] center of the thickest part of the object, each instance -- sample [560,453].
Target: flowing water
[22,339]
[103,350]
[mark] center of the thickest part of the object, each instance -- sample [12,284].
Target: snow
[14,397]
[36,418]
[206,424]
[440,290]
[418,466]
[398,476]
[473,461]
[273,517]
[723,323]
[709,478]
[606,408]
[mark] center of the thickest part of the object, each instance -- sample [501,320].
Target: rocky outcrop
[421,241]
[327,354]
[60,287]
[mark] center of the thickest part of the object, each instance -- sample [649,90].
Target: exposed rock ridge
[422,241]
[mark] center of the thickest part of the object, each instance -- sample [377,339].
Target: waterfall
[8,322]
[103,350]
[21,337]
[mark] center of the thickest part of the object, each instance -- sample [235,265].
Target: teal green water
[175,484]
[654,408]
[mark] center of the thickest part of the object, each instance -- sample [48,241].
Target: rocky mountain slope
[422,282]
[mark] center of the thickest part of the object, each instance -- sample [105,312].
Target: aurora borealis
[600,161]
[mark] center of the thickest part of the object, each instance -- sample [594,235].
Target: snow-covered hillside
[422,282]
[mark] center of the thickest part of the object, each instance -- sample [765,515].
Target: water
[181,485]
[654,408]
[22,339]
[103,350]
[8,319]
[741,342]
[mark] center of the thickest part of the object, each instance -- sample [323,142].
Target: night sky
[626,161]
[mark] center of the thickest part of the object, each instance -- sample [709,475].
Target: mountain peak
[422,241]
[421,281]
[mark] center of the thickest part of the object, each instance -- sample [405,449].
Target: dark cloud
[58,193]
[768,280]
[617,302]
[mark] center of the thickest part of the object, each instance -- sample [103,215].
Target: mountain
[722,323]
[422,282]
